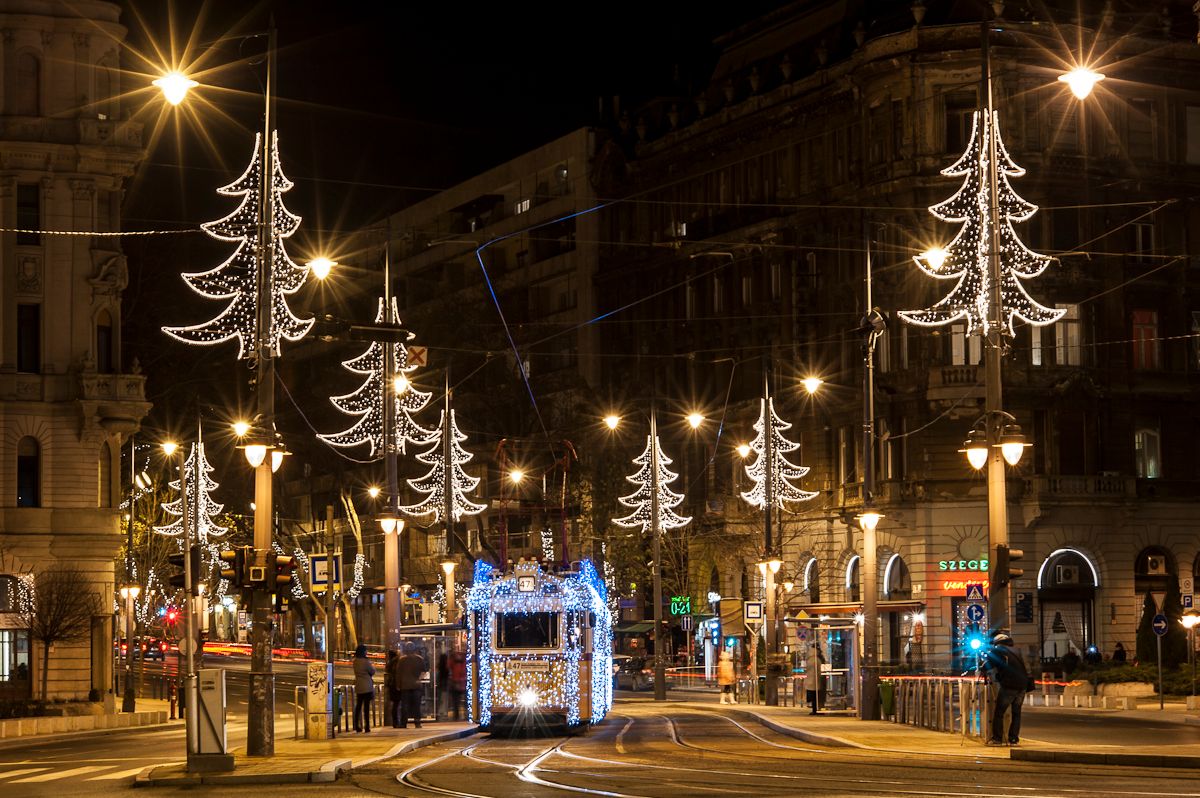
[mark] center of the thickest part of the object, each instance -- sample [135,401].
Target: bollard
[172,698]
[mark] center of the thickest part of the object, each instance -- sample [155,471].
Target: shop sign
[956,585]
[963,565]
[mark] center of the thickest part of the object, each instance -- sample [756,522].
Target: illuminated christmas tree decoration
[202,510]
[237,278]
[367,401]
[640,501]
[779,470]
[433,484]
[539,679]
[967,257]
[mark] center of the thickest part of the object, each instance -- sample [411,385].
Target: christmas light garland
[780,470]
[202,510]
[366,402]
[572,596]
[433,483]
[237,278]
[641,499]
[967,257]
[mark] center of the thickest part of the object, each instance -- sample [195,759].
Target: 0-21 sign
[681,605]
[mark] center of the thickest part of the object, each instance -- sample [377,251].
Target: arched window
[104,497]
[812,581]
[8,593]
[29,472]
[28,89]
[852,588]
[897,581]
[105,343]
[105,101]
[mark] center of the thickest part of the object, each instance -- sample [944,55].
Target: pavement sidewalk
[300,761]
[885,736]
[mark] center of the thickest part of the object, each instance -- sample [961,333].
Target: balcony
[955,383]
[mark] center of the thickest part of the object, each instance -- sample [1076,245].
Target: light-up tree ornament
[771,463]
[967,256]
[237,279]
[445,484]
[367,402]
[652,477]
[202,510]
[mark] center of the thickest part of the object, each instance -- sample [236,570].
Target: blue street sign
[975,593]
[1159,625]
[1187,601]
[976,613]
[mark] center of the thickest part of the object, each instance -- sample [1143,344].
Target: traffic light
[1005,573]
[280,568]
[178,577]
[235,572]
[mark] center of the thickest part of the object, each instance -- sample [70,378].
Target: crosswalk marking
[14,773]
[120,774]
[61,774]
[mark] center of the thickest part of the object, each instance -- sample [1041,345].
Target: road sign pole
[1158,640]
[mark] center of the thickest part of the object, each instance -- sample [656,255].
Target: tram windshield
[527,630]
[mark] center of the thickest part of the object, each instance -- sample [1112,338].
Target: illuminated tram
[539,647]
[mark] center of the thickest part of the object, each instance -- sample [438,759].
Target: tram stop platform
[298,761]
[1140,738]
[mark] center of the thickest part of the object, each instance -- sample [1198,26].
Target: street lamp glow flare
[694,420]
[175,85]
[1081,81]
[320,267]
[612,421]
[812,384]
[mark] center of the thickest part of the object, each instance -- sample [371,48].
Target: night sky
[379,105]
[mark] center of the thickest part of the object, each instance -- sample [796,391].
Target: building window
[718,297]
[1146,453]
[521,206]
[776,279]
[28,90]
[104,343]
[29,470]
[29,214]
[960,106]
[1192,155]
[104,497]
[1035,346]
[8,593]
[29,339]
[747,290]
[1068,347]
[1196,338]
[1145,339]
[1143,240]
[965,350]
[689,300]
[1142,123]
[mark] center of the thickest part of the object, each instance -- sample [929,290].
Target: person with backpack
[1006,668]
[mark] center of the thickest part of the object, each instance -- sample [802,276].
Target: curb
[1092,758]
[37,739]
[327,773]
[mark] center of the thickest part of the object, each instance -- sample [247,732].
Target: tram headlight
[527,698]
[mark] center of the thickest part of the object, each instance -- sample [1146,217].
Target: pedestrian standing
[726,677]
[812,674]
[408,678]
[1008,671]
[392,682]
[443,677]
[1119,654]
[364,689]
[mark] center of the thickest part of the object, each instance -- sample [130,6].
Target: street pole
[993,352]
[330,611]
[129,696]
[868,696]
[191,697]
[391,538]
[660,669]
[260,732]
[772,641]
[448,507]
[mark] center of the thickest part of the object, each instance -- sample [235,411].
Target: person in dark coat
[1119,654]
[1007,669]
[408,679]
[457,669]
[364,689]
[392,685]
[442,681]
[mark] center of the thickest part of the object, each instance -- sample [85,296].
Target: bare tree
[61,611]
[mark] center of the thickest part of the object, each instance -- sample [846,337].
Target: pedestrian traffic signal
[178,577]
[280,600]
[280,568]
[234,570]
[1005,555]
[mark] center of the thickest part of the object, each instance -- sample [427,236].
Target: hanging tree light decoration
[779,470]
[640,501]
[966,259]
[202,510]
[433,483]
[237,278]
[367,401]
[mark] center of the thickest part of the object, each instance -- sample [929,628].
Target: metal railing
[954,704]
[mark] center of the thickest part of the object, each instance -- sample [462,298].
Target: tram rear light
[527,698]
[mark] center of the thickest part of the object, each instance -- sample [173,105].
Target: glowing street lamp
[1081,81]
[175,85]
[743,450]
[812,384]
[694,420]
[612,421]
[321,266]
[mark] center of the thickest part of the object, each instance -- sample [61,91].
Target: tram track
[630,777]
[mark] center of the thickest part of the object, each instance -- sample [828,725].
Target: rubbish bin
[887,698]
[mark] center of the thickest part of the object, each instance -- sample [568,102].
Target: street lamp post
[451,608]
[660,667]
[129,593]
[1189,620]
[190,695]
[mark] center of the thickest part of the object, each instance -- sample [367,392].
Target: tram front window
[527,630]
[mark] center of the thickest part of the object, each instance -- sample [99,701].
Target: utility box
[211,716]
[318,702]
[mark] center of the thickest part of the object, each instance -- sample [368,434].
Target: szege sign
[963,565]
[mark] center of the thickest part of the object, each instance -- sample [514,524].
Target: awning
[637,627]
[812,611]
